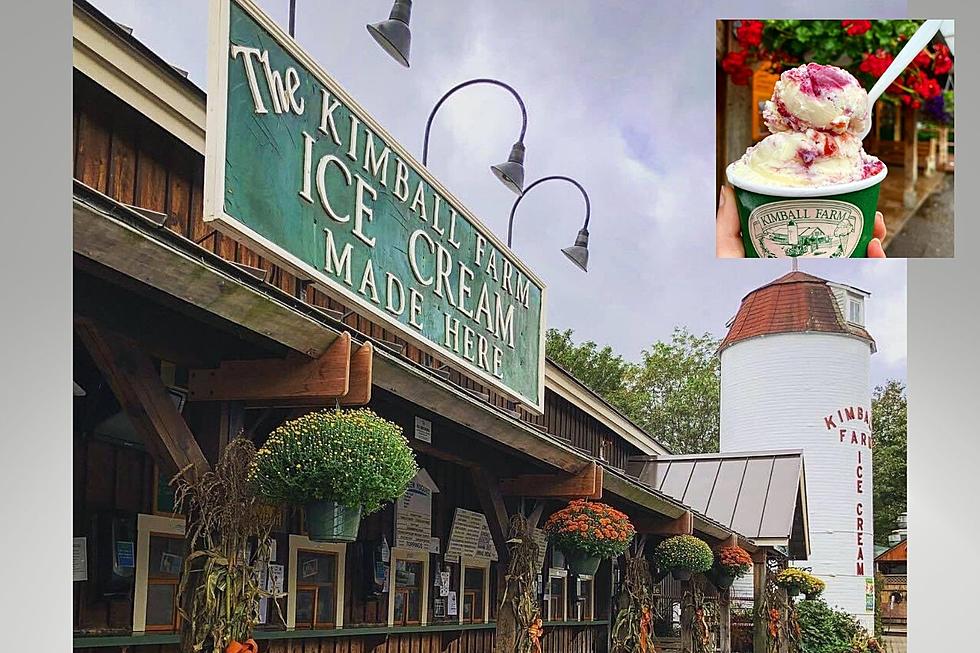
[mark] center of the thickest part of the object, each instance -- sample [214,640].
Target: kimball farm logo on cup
[806,227]
[305,176]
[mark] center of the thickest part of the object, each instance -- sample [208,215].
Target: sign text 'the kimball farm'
[301,172]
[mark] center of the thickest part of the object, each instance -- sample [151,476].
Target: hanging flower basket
[731,562]
[588,532]
[338,465]
[684,555]
[798,581]
[329,521]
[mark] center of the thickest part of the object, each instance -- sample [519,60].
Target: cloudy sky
[620,96]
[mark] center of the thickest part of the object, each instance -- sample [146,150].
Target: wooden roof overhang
[133,244]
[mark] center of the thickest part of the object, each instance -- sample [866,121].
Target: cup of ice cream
[809,189]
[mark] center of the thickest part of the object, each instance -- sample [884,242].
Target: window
[474,590]
[159,559]
[584,598]
[316,589]
[315,597]
[163,574]
[855,310]
[409,595]
[557,584]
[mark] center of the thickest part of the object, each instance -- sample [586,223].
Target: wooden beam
[760,621]
[493,506]
[361,376]
[144,398]
[682,525]
[291,379]
[585,483]
[725,621]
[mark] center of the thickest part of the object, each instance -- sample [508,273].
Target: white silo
[795,375]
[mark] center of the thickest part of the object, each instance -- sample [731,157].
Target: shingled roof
[795,302]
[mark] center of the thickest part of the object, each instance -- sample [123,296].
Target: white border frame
[219,24]
[414,556]
[578,604]
[557,572]
[147,525]
[474,563]
[297,542]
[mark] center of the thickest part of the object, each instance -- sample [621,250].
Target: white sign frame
[219,26]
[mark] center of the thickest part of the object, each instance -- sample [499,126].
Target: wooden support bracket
[682,525]
[587,483]
[143,397]
[339,375]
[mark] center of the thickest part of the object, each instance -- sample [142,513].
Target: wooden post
[931,158]
[493,506]
[909,137]
[725,621]
[783,620]
[943,158]
[760,634]
[687,634]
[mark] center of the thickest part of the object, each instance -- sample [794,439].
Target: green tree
[673,393]
[889,417]
[679,392]
[600,369]
[824,629]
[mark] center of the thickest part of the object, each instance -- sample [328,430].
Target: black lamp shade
[394,34]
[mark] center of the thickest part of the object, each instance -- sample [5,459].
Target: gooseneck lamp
[577,253]
[510,172]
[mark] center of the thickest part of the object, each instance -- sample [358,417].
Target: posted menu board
[413,514]
[470,536]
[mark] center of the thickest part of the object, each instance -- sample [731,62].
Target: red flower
[876,63]
[943,63]
[906,99]
[928,88]
[923,59]
[742,76]
[916,103]
[749,33]
[733,61]
[856,27]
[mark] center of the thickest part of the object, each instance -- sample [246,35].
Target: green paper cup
[816,222]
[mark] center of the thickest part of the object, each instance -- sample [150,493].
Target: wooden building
[173,321]
[891,567]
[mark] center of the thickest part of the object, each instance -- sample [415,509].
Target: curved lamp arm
[495,82]
[513,209]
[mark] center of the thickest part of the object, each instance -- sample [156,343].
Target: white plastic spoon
[918,41]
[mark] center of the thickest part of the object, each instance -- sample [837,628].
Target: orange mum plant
[592,528]
[734,560]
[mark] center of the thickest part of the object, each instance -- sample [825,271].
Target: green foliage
[679,385]
[827,42]
[674,393]
[889,418]
[684,552]
[352,457]
[824,629]
[601,370]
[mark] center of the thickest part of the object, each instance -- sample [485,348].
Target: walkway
[928,232]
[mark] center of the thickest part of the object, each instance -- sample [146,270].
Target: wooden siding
[121,153]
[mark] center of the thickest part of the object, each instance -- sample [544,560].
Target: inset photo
[834,138]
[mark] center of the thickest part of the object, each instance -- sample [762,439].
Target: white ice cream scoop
[914,46]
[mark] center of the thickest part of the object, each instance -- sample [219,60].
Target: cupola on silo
[795,374]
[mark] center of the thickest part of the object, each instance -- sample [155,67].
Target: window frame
[299,543]
[147,526]
[411,555]
[553,573]
[483,564]
[854,302]
[589,598]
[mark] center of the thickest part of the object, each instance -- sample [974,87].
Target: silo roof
[796,302]
[760,494]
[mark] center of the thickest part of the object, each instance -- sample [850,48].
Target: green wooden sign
[304,175]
